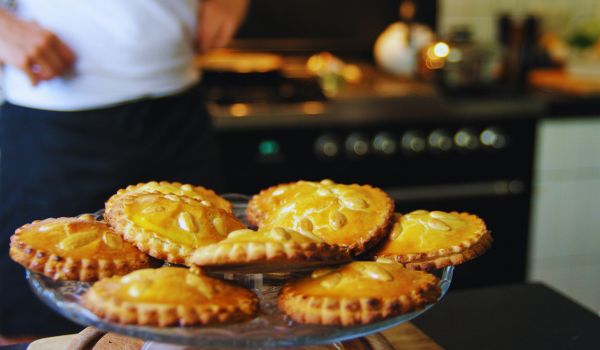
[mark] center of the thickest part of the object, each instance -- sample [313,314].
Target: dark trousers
[55,164]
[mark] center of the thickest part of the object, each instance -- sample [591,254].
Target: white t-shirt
[125,50]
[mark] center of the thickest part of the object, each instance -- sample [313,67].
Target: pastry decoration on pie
[167,226]
[198,193]
[269,250]
[352,216]
[74,249]
[170,296]
[357,293]
[425,240]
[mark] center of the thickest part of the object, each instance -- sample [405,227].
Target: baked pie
[167,226]
[169,296]
[195,192]
[80,248]
[352,216]
[357,293]
[268,200]
[426,240]
[269,250]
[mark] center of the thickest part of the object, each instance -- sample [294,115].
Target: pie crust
[358,293]
[426,240]
[198,193]
[268,250]
[170,296]
[353,216]
[74,249]
[167,226]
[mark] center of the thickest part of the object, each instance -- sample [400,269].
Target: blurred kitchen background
[486,106]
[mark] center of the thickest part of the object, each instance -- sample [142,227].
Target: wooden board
[61,342]
[405,337]
[110,341]
[114,341]
[409,337]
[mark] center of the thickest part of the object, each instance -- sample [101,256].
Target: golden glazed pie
[74,249]
[169,296]
[198,193]
[167,226]
[425,240]
[358,293]
[269,250]
[267,201]
[352,216]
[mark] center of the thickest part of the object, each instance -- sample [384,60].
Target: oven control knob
[413,141]
[384,143]
[466,139]
[357,145]
[493,137]
[327,146]
[440,140]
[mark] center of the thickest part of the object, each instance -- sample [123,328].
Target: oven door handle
[458,190]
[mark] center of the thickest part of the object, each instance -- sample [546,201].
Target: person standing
[99,94]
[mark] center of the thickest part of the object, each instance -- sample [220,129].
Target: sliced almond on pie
[426,240]
[172,233]
[352,216]
[358,293]
[170,296]
[74,249]
[268,250]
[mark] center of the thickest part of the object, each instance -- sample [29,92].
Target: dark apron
[55,164]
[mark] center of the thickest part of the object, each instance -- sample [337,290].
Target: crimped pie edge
[469,249]
[143,239]
[136,187]
[470,253]
[67,268]
[254,217]
[110,308]
[353,311]
[248,253]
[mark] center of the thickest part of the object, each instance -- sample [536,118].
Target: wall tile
[568,143]
[564,218]
[565,236]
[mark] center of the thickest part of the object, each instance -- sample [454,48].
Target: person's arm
[218,21]
[36,51]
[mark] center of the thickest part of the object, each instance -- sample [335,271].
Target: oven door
[505,206]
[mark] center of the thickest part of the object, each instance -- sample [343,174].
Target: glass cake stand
[271,329]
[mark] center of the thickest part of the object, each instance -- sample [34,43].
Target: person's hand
[218,21]
[36,51]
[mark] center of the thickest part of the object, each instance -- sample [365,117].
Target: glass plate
[270,329]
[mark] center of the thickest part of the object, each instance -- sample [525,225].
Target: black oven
[425,151]
[479,166]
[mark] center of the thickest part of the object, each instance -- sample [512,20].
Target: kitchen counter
[524,316]
[565,94]
[378,98]
[373,110]
[381,98]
